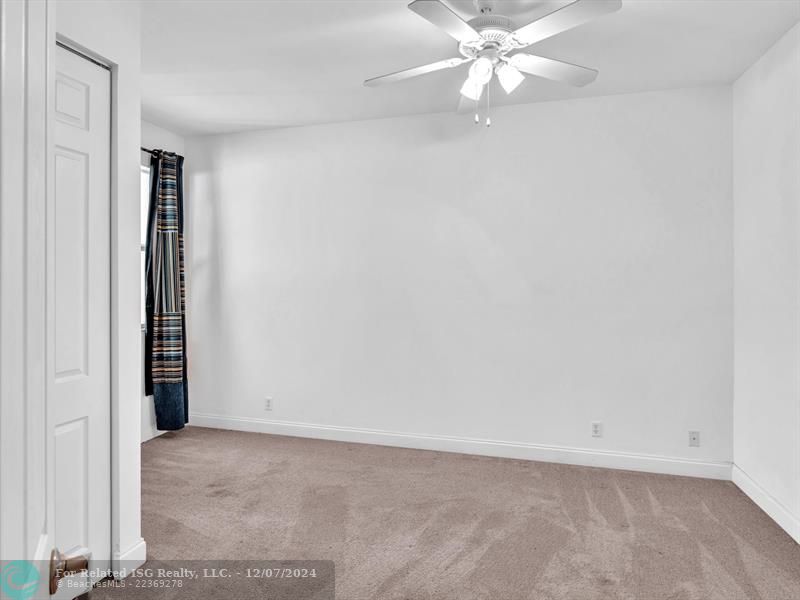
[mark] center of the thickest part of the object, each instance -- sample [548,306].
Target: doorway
[79,307]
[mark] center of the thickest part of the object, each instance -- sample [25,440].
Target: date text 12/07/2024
[276,580]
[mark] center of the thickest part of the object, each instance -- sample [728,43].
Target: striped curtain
[165,299]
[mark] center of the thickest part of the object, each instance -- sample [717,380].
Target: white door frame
[23,168]
[27,57]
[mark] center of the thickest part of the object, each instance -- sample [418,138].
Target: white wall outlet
[694,439]
[597,429]
[267,403]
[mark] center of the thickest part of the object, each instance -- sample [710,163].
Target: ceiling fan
[491,45]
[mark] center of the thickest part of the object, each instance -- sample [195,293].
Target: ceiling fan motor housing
[492,26]
[494,31]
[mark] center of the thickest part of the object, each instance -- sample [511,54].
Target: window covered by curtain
[165,297]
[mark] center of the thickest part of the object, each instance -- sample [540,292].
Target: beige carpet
[419,525]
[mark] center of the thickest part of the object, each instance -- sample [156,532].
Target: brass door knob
[61,566]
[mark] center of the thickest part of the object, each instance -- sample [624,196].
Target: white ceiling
[216,66]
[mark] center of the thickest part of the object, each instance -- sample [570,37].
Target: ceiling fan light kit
[472,90]
[481,70]
[491,44]
[509,77]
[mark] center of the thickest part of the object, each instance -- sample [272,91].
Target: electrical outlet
[694,439]
[597,429]
[267,403]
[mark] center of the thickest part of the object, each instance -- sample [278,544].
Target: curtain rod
[157,152]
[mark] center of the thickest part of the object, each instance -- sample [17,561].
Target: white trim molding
[123,563]
[502,449]
[25,465]
[768,503]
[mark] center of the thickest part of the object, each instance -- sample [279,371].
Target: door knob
[61,566]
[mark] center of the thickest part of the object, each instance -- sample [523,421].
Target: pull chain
[488,103]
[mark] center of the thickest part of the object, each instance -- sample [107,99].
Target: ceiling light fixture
[510,77]
[472,89]
[481,70]
[492,44]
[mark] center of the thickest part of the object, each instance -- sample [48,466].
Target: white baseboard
[766,502]
[132,558]
[148,410]
[554,454]
[149,434]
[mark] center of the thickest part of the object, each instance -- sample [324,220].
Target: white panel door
[79,309]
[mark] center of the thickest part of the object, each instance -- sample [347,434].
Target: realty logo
[19,579]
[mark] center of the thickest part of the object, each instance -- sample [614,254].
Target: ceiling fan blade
[445,19]
[416,71]
[553,69]
[563,19]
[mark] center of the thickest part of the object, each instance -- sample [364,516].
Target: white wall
[766,136]
[112,31]
[154,137]
[427,277]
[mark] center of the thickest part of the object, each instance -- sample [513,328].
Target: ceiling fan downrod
[484,7]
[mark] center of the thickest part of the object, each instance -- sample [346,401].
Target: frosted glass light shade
[472,89]
[481,70]
[510,77]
